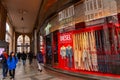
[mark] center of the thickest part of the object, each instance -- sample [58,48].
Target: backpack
[4,60]
[5,55]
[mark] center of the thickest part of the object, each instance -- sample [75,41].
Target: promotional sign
[65,50]
[66,38]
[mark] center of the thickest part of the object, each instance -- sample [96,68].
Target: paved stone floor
[30,72]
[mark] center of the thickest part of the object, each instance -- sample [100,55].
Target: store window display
[65,50]
[96,48]
[66,54]
[85,56]
[48,50]
[94,43]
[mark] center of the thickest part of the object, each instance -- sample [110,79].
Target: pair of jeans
[12,73]
[24,61]
[5,70]
[69,61]
[39,66]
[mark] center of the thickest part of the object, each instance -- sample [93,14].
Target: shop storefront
[51,49]
[93,48]
[90,44]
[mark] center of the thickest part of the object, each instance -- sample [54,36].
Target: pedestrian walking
[19,56]
[24,57]
[30,57]
[39,57]
[4,57]
[12,61]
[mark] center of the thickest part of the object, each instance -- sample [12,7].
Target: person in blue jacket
[12,61]
[39,57]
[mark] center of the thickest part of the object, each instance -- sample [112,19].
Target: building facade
[84,37]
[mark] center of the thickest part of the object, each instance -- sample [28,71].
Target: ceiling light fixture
[22,12]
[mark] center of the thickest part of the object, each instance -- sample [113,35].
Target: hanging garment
[82,48]
[80,63]
[69,54]
[78,47]
[86,55]
[76,58]
[86,61]
[107,49]
[102,64]
[93,52]
[88,52]
[63,52]
[84,52]
[75,47]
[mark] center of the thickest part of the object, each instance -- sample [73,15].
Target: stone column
[35,42]
[3,17]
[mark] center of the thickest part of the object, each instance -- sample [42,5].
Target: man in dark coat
[30,57]
[19,55]
[24,57]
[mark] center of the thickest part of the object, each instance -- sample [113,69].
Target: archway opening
[23,44]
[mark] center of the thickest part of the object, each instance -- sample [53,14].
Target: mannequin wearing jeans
[69,54]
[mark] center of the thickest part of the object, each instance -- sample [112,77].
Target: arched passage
[23,44]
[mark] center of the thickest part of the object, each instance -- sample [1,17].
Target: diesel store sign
[66,38]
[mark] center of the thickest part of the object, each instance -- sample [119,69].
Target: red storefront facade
[91,46]
[87,49]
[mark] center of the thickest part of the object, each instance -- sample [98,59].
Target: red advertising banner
[65,50]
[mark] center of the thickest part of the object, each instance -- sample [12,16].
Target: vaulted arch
[23,44]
